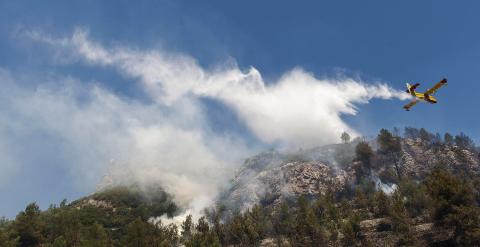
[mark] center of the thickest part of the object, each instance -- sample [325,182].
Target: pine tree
[70,226]
[351,230]
[28,227]
[415,196]
[448,192]
[284,221]
[448,139]
[136,234]
[464,142]
[425,136]
[5,241]
[307,230]
[328,214]
[345,137]
[382,201]
[411,133]
[59,242]
[187,227]
[466,220]
[202,225]
[364,154]
[390,147]
[94,236]
[219,228]
[401,222]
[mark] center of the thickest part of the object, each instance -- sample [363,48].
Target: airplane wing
[436,87]
[412,103]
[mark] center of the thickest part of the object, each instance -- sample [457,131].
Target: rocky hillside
[393,168]
[271,177]
[414,190]
[419,158]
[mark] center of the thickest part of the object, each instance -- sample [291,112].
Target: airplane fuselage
[425,97]
[421,96]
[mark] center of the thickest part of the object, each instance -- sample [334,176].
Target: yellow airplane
[427,96]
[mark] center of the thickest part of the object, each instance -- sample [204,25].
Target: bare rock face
[311,178]
[274,180]
[418,159]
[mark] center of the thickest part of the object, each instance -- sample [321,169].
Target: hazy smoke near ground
[168,140]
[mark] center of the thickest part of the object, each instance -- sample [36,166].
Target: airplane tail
[411,88]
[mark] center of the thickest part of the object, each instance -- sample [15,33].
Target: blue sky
[375,41]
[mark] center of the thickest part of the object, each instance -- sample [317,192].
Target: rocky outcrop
[94,203]
[419,158]
[272,180]
[273,176]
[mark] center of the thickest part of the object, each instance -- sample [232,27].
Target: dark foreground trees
[448,200]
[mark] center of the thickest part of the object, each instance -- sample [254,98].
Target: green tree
[364,154]
[284,221]
[345,137]
[388,143]
[400,219]
[436,140]
[59,242]
[411,133]
[235,232]
[351,230]
[391,148]
[464,142]
[136,233]
[28,226]
[94,236]
[260,220]
[202,225]
[328,213]
[425,136]
[382,204]
[415,196]
[250,233]
[219,229]
[448,192]
[70,226]
[454,205]
[448,139]
[307,230]
[5,241]
[398,213]
[466,220]
[187,227]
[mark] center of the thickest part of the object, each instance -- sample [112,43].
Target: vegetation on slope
[445,202]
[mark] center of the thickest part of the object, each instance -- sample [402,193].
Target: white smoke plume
[168,141]
[89,127]
[288,110]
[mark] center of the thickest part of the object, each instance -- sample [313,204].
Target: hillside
[274,177]
[339,176]
[417,189]
[106,218]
